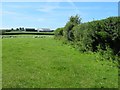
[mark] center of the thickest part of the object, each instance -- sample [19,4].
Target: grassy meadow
[28,33]
[48,63]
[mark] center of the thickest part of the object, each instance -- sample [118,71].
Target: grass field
[47,63]
[28,33]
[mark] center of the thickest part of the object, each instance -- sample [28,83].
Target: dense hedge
[95,35]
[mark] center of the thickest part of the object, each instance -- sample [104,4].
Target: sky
[53,14]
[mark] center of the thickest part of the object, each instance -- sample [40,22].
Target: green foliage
[58,32]
[67,32]
[88,36]
[75,20]
[107,54]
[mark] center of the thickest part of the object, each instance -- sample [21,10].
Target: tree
[17,29]
[20,29]
[73,21]
[12,29]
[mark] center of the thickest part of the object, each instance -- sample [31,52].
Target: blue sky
[53,14]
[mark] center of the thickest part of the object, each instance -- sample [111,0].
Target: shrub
[68,33]
[88,36]
[58,32]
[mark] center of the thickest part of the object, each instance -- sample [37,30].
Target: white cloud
[16,6]
[48,8]
[9,13]
[3,13]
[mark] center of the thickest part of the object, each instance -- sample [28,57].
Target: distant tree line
[29,30]
[17,29]
[99,35]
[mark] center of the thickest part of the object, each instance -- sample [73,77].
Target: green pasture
[28,33]
[48,63]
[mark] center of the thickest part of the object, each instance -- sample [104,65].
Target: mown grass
[47,63]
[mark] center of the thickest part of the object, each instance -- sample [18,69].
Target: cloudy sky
[53,14]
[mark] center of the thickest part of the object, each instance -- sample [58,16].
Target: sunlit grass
[47,63]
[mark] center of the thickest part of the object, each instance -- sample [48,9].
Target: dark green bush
[58,32]
[88,36]
[101,32]
[67,32]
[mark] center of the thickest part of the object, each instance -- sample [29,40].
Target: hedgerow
[104,34]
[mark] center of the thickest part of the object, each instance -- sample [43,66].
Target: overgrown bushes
[88,36]
[59,32]
[68,29]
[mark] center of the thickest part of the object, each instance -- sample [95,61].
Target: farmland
[48,63]
[28,33]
